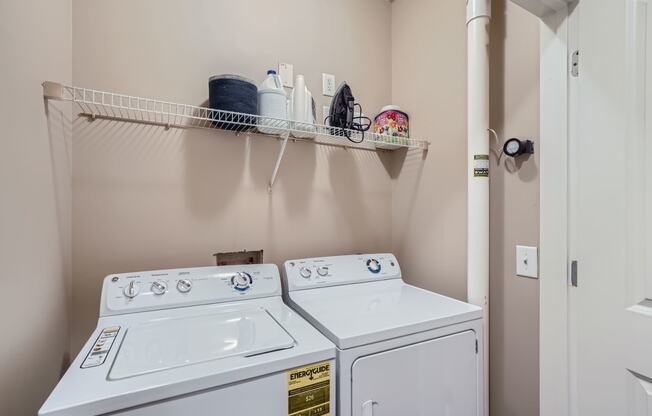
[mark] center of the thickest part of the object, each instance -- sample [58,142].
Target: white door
[432,378]
[611,210]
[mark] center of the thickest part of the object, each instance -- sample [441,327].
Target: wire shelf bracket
[94,104]
[281,153]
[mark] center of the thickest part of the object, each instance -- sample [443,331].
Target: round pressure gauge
[515,147]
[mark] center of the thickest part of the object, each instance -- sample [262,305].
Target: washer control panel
[331,271]
[161,289]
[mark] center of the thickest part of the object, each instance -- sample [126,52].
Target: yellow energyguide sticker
[309,390]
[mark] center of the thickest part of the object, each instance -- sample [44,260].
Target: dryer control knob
[373,265]
[241,281]
[322,270]
[305,272]
[131,290]
[159,287]
[184,285]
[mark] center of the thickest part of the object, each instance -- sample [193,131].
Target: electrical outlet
[328,84]
[527,261]
[326,110]
[286,72]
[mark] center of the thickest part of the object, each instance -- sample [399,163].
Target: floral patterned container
[392,125]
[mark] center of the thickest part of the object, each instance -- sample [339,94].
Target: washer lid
[364,313]
[169,343]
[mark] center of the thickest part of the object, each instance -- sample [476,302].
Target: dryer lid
[170,343]
[364,313]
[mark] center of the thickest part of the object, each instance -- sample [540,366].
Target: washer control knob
[131,290]
[305,272]
[184,285]
[159,287]
[322,270]
[373,265]
[241,281]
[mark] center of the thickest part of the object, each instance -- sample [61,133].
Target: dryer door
[437,377]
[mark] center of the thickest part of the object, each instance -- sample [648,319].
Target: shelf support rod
[285,137]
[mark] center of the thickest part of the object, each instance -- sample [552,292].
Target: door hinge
[573,273]
[575,64]
[476,345]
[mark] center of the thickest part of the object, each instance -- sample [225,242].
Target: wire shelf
[112,106]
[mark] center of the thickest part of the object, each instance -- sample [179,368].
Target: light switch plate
[286,72]
[527,261]
[328,84]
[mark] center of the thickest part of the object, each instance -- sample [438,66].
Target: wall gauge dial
[516,147]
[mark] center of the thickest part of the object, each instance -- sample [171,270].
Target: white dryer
[199,341]
[401,350]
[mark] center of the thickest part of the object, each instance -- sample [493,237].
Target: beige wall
[145,198]
[514,213]
[35,203]
[429,196]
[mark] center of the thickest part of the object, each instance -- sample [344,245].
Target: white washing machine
[401,350]
[199,341]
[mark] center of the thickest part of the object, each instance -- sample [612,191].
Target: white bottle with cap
[303,110]
[272,105]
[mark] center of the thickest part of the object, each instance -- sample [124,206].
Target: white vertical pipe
[478,17]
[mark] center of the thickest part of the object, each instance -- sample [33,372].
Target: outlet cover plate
[527,261]
[328,84]
[286,72]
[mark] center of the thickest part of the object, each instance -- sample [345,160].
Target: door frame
[554,358]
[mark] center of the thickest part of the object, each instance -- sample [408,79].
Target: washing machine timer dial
[131,290]
[241,281]
[184,285]
[373,265]
[305,272]
[159,287]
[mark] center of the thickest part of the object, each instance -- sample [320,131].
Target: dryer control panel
[162,289]
[339,270]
